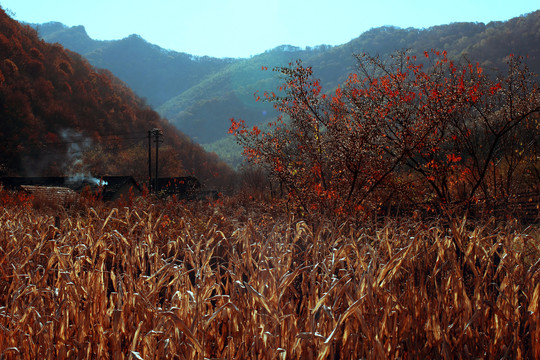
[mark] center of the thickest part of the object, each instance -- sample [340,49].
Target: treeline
[55,108]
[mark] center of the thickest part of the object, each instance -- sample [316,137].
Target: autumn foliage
[426,131]
[53,103]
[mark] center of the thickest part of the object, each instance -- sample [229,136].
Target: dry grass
[180,282]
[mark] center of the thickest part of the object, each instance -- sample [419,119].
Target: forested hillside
[199,95]
[59,114]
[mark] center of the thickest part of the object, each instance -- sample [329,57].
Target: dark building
[114,187]
[107,187]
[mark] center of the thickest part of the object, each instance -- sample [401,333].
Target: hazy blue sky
[240,28]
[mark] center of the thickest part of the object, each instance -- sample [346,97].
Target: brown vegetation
[221,280]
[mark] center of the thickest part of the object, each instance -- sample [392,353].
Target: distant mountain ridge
[200,94]
[72,37]
[152,72]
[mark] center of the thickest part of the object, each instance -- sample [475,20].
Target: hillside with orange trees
[56,109]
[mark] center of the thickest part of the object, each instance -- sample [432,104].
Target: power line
[124,136]
[51,150]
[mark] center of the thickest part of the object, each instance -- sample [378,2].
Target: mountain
[200,94]
[152,72]
[75,39]
[61,116]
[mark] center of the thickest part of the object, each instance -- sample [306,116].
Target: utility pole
[157,139]
[150,161]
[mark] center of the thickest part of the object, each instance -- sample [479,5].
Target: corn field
[192,281]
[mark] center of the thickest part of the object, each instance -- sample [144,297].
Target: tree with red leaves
[429,125]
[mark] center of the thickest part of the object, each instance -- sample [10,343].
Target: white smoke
[86,177]
[98,182]
[74,167]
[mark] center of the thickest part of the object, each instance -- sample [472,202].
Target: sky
[242,28]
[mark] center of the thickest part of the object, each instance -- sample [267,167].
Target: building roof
[53,193]
[108,186]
